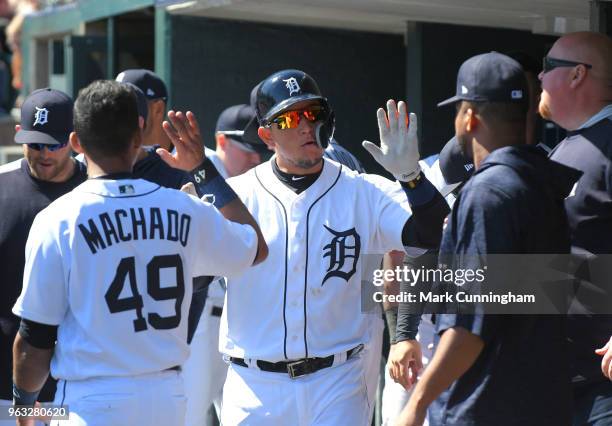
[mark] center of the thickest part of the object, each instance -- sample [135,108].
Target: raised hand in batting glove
[399,146]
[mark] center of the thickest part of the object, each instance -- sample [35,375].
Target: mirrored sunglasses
[50,148]
[291,119]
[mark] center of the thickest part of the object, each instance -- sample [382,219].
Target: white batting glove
[399,146]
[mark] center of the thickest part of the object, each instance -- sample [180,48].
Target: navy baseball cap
[236,122]
[46,117]
[490,77]
[456,168]
[141,100]
[151,85]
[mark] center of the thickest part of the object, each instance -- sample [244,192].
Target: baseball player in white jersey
[108,275]
[372,357]
[292,328]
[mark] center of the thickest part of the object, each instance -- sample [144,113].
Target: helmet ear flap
[324,130]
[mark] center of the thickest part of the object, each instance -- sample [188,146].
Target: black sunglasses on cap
[549,64]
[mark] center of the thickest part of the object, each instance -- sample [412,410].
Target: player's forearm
[237,212]
[457,351]
[390,261]
[30,365]
[209,181]
[424,228]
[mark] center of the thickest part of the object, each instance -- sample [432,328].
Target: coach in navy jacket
[497,369]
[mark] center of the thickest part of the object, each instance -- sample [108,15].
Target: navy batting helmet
[285,88]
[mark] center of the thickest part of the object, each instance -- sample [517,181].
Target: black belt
[297,368]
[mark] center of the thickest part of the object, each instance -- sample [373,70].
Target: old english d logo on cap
[292,85]
[46,118]
[41,116]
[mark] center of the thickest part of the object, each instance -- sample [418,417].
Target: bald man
[577,95]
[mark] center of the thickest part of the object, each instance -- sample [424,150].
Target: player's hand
[405,362]
[26,421]
[184,133]
[606,361]
[399,146]
[31,421]
[411,416]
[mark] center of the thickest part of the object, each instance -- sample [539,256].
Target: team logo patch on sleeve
[126,189]
[343,251]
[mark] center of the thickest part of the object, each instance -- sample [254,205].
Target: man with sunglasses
[293,327]
[27,186]
[577,95]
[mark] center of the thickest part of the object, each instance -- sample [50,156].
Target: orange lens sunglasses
[291,119]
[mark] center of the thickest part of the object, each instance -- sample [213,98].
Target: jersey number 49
[127,270]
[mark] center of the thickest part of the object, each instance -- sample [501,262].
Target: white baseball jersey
[112,264]
[304,300]
[216,289]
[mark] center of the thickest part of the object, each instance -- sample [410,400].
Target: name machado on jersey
[135,224]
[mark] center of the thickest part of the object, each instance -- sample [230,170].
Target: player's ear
[137,139]
[471,120]
[158,108]
[577,75]
[75,144]
[265,134]
[221,140]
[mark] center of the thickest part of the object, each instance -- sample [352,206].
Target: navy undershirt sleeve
[41,336]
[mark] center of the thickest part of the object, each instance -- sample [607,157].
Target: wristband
[414,182]
[419,190]
[211,186]
[21,397]
[206,171]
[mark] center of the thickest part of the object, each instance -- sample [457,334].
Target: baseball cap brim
[452,100]
[454,165]
[34,136]
[447,189]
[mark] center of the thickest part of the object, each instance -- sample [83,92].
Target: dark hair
[106,118]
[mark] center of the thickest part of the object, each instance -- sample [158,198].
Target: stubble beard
[307,164]
[466,147]
[57,168]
